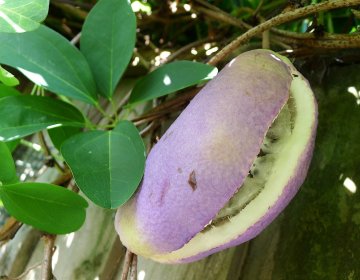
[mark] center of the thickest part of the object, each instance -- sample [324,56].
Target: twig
[305,36]
[9,229]
[206,4]
[224,17]
[258,8]
[147,129]
[76,39]
[46,271]
[48,153]
[25,272]
[127,263]
[323,43]
[280,19]
[133,273]
[189,47]
[265,38]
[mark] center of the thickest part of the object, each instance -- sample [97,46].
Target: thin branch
[9,229]
[76,39]
[258,8]
[133,273]
[22,275]
[48,153]
[305,36]
[323,43]
[224,17]
[46,271]
[147,129]
[127,263]
[280,19]
[189,47]
[210,6]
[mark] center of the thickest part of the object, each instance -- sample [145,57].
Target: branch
[127,263]
[133,273]
[46,271]
[334,41]
[280,19]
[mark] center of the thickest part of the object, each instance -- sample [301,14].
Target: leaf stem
[48,152]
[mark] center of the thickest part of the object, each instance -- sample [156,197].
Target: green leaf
[59,134]
[107,165]
[47,207]
[169,78]
[7,78]
[7,166]
[50,61]
[107,41]
[22,15]
[12,145]
[29,114]
[7,91]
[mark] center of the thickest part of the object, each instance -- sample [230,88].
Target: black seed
[262,153]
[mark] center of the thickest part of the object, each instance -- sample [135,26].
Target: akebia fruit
[227,166]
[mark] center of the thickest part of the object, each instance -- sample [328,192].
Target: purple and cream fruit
[227,166]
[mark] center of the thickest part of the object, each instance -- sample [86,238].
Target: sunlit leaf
[108,41]
[7,166]
[7,78]
[107,165]
[170,78]
[24,114]
[22,15]
[50,61]
[47,207]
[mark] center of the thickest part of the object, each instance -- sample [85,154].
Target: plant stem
[280,19]
[48,153]
[133,273]
[46,272]
[127,264]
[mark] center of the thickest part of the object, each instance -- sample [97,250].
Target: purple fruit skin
[289,192]
[172,204]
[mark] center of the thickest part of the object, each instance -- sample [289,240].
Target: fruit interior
[274,141]
[285,142]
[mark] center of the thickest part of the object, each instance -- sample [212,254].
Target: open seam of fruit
[283,144]
[227,166]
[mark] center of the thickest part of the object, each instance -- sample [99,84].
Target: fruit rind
[179,196]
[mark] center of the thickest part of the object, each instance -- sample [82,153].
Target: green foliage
[59,134]
[12,145]
[31,114]
[170,78]
[107,165]
[50,61]
[7,78]
[7,91]
[108,41]
[7,166]
[47,207]
[22,15]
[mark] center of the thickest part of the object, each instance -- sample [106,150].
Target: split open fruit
[227,166]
